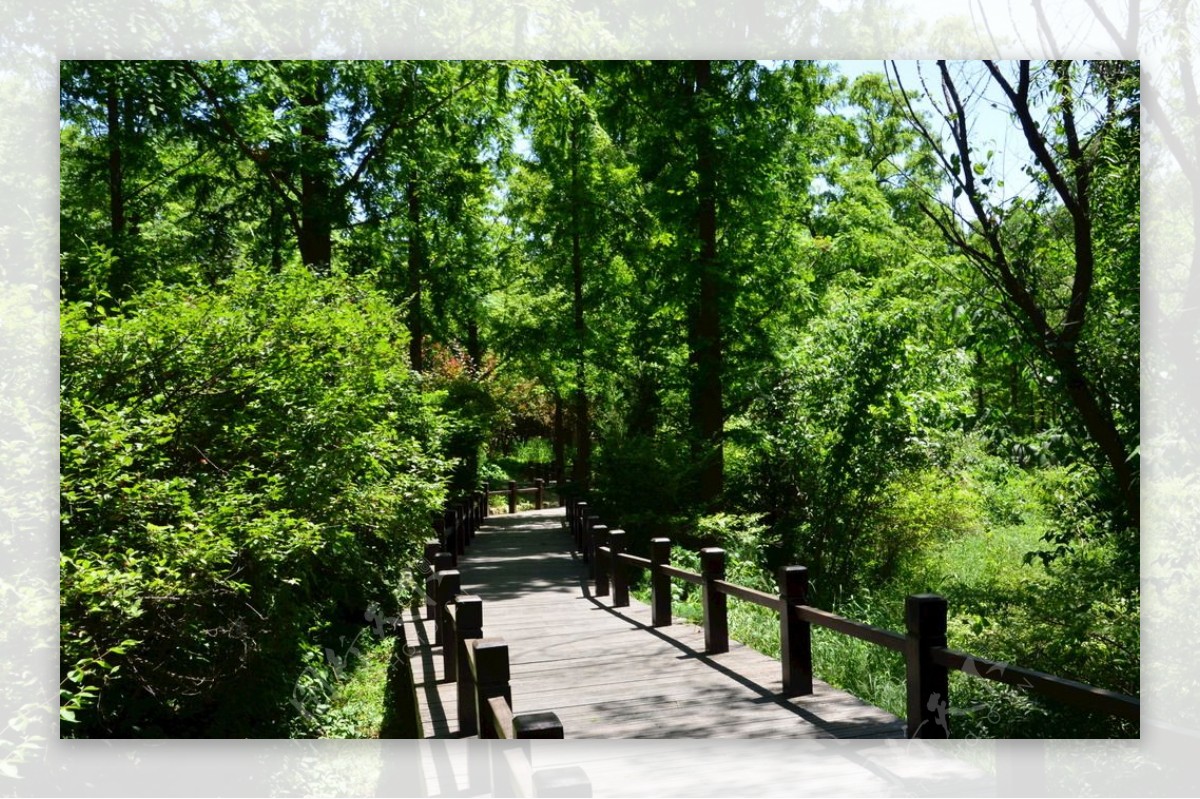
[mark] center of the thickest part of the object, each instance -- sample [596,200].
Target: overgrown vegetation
[245,470]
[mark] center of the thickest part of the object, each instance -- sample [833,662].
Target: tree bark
[707,406]
[560,439]
[416,268]
[582,471]
[118,277]
[316,226]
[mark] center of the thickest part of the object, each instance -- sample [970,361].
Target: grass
[976,563]
[375,697]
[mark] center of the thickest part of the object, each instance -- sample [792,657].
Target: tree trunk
[316,226]
[583,437]
[1103,430]
[118,277]
[474,346]
[416,268]
[277,227]
[707,402]
[560,439]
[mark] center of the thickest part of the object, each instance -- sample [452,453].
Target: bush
[242,468]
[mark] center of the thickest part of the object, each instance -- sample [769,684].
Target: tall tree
[722,166]
[1080,126]
[705,334]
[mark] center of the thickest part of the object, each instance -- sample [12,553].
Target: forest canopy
[882,325]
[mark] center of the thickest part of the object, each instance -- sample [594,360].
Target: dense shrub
[242,468]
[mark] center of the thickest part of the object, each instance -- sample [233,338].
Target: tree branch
[280,186]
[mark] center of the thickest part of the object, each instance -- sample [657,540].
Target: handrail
[682,574]
[479,667]
[634,560]
[923,645]
[1076,693]
[538,489]
[502,717]
[760,598]
[855,629]
[458,628]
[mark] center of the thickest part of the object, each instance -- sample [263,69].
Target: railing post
[487,508]
[589,539]
[795,634]
[469,627]
[561,781]
[928,683]
[512,496]
[581,510]
[716,605]
[449,534]
[660,582]
[460,529]
[541,488]
[601,565]
[449,584]
[442,562]
[537,725]
[620,586]
[491,680]
[431,553]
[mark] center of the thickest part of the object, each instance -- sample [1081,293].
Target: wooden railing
[928,659]
[479,666]
[538,489]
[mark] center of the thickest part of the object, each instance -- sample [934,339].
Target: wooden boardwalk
[606,672]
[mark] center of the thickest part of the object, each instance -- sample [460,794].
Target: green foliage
[240,467]
[642,483]
[247,461]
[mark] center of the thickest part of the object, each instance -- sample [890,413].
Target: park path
[607,673]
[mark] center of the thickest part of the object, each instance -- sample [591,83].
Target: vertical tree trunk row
[707,356]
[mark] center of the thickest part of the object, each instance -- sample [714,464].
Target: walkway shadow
[427,680]
[840,729]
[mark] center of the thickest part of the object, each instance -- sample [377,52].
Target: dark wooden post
[460,529]
[431,553]
[537,725]
[601,564]
[512,496]
[561,781]
[581,510]
[928,683]
[716,605]
[442,562]
[660,583]
[469,627]
[487,508]
[589,539]
[439,528]
[620,585]
[448,585]
[795,634]
[541,489]
[491,680]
